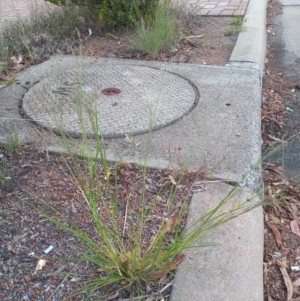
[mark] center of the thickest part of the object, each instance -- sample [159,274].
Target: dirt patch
[36,177]
[203,41]
[281,251]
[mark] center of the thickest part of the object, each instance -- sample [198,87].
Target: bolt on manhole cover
[126,99]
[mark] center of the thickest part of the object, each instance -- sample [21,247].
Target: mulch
[38,178]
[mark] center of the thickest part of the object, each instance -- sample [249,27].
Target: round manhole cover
[126,100]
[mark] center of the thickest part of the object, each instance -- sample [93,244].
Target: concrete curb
[232,270]
[250,48]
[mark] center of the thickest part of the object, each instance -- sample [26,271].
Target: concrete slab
[252,41]
[223,129]
[232,270]
[11,120]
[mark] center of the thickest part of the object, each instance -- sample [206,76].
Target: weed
[46,32]
[237,25]
[206,42]
[230,31]
[120,252]
[237,20]
[159,35]
[10,81]
[12,143]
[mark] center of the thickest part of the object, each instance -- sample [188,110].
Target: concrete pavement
[223,129]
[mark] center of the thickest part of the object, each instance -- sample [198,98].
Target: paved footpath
[222,8]
[13,9]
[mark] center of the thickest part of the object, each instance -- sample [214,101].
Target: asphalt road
[287,48]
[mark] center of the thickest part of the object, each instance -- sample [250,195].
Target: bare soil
[35,177]
[203,41]
[282,236]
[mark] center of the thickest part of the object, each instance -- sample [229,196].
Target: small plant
[230,31]
[127,12]
[237,20]
[12,143]
[161,34]
[10,81]
[237,26]
[118,249]
[55,29]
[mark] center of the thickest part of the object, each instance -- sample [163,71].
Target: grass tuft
[119,252]
[12,143]
[160,35]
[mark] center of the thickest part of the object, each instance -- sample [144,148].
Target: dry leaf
[171,222]
[276,234]
[40,265]
[160,274]
[275,220]
[126,165]
[172,180]
[288,283]
[157,275]
[179,260]
[16,60]
[295,228]
[107,175]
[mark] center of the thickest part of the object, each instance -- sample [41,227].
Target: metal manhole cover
[127,99]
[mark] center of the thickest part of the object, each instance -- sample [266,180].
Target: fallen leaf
[274,220]
[172,180]
[288,283]
[171,222]
[157,275]
[107,175]
[126,164]
[75,279]
[40,265]
[160,274]
[179,260]
[295,228]
[276,234]
[16,60]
